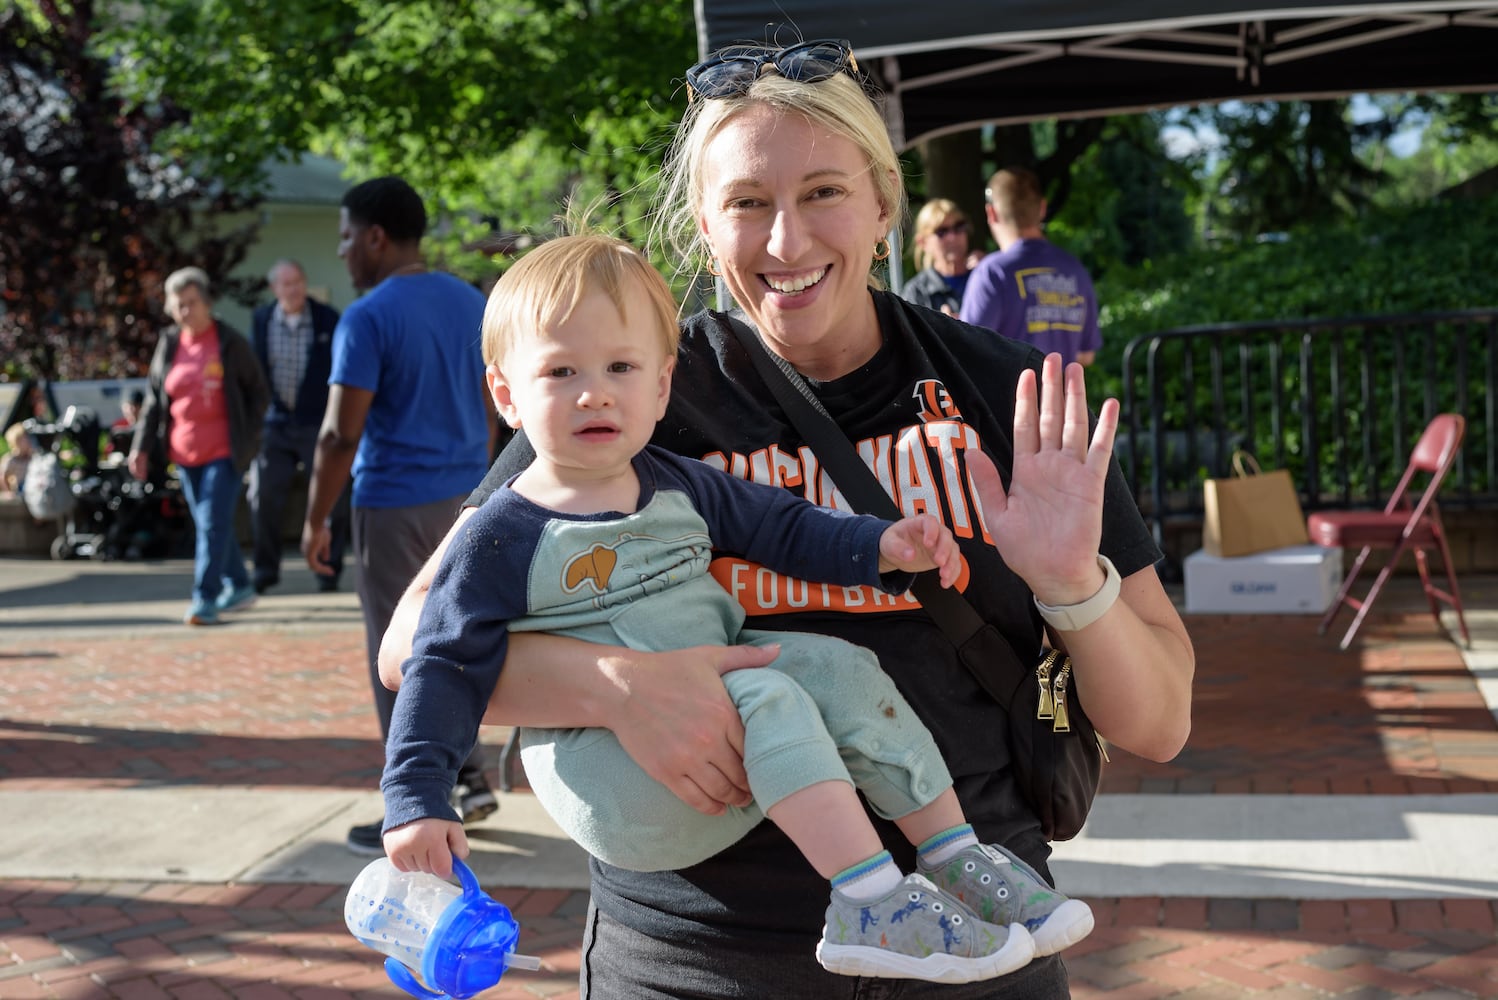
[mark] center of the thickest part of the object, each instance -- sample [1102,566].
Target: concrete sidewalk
[175,829]
[76,599]
[1259,846]
[137,754]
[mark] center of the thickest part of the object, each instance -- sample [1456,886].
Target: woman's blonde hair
[838,104]
[540,290]
[926,220]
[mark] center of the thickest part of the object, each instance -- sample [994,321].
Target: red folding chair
[1403,525]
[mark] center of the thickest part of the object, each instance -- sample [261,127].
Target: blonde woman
[783,176]
[941,242]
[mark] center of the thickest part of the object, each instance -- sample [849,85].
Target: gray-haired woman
[204,411]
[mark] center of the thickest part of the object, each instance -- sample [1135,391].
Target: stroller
[102,512]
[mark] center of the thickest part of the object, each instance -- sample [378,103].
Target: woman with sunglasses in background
[942,256]
[782,178]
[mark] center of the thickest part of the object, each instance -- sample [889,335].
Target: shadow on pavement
[122,758]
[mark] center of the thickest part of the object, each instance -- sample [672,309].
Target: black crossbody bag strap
[948,608]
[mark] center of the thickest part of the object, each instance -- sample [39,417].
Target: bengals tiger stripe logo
[934,401]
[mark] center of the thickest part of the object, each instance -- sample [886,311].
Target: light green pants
[823,711]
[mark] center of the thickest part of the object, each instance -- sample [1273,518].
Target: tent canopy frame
[943,68]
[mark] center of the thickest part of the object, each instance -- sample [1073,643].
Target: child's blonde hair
[543,287]
[13,435]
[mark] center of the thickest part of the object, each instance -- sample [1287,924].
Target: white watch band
[1072,617]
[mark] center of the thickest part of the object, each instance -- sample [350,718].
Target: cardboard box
[1301,579]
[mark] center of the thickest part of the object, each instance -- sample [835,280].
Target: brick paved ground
[159,940]
[90,939]
[1278,710]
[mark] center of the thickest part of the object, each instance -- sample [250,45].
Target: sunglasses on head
[942,232]
[731,71]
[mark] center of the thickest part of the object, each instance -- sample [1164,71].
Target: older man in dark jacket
[293,338]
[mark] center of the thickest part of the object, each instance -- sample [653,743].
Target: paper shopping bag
[1251,511]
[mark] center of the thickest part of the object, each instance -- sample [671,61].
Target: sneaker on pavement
[918,932]
[366,839]
[199,613]
[236,598]
[475,801]
[1002,889]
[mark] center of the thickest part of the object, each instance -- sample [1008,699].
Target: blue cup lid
[470,946]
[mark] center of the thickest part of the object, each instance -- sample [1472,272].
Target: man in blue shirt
[408,418]
[1031,290]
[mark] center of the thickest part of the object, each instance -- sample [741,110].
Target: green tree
[499,111]
[1113,195]
[1284,163]
[496,110]
[1052,148]
[1458,142]
[958,166]
[94,214]
[1128,200]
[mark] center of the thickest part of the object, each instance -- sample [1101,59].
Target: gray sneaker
[918,932]
[1002,889]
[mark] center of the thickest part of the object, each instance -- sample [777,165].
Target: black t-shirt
[936,387]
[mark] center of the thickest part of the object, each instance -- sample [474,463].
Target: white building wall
[307,234]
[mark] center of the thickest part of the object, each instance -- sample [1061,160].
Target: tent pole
[896,262]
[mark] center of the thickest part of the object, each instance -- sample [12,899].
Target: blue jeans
[621,964]
[212,493]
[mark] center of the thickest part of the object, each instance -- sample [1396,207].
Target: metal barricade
[1339,402]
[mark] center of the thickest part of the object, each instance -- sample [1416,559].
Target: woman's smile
[796,285]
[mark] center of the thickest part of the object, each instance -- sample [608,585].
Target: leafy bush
[1434,258]
[1439,258]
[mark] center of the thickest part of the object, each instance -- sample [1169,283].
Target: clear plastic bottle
[459,939]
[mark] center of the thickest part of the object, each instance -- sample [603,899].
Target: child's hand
[426,845]
[914,544]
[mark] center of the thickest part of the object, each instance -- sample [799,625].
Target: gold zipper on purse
[1053,696]
[1062,723]
[1046,708]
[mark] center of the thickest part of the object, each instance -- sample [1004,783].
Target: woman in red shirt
[204,411]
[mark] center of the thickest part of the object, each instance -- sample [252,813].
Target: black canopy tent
[950,65]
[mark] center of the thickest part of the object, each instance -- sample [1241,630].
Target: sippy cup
[462,941]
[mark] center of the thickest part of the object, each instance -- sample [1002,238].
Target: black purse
[1056,755]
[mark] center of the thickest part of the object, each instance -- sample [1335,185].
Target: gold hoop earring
[887,249]
[714,268]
